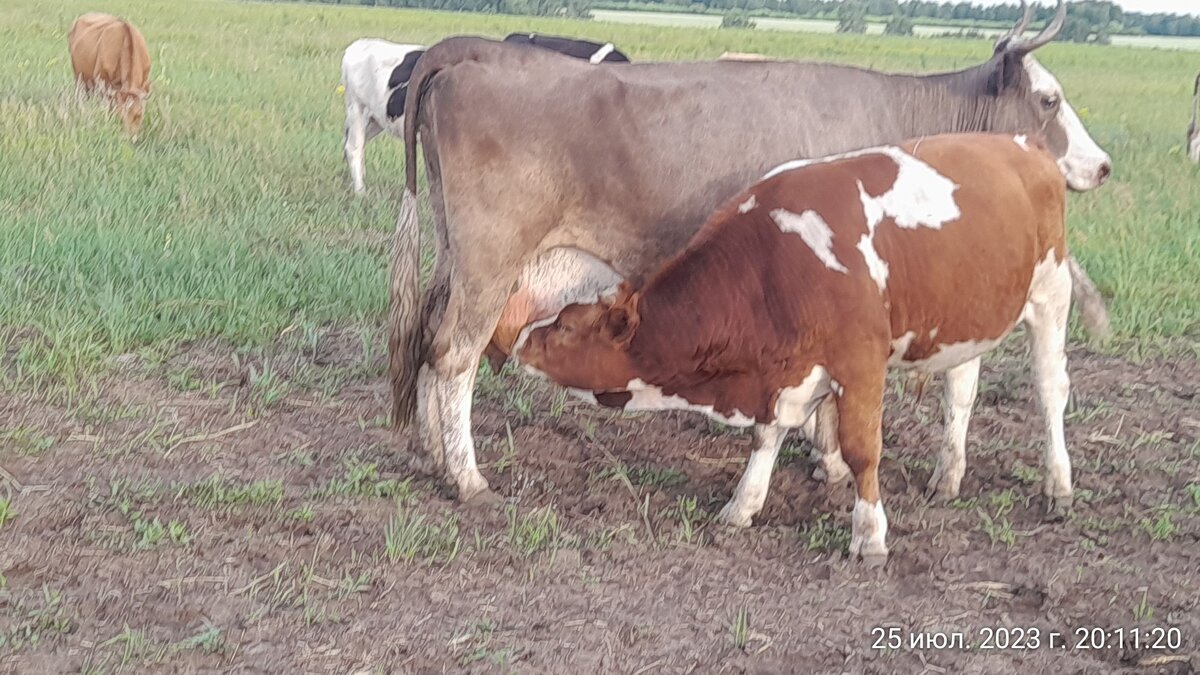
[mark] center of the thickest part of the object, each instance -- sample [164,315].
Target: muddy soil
[251,512]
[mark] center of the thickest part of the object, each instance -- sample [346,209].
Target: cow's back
[637,184]
[110,51]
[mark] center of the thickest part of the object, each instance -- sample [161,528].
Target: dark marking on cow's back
[398,83]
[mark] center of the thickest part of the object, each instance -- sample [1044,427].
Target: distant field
[680,19]
[197,474]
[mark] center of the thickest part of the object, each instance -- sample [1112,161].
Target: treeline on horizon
[1094,20]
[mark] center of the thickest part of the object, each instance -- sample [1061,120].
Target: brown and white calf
[809,284]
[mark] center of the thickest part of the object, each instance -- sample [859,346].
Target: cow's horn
[1048,33]
[1022,23]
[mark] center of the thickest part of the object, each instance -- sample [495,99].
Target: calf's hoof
[1059,508]
[874,560]
[734,516]
[831,475]
[942,487]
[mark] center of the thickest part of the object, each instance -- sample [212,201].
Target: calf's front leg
[751,492]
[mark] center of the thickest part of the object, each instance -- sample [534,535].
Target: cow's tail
[406,344]
[1092,310]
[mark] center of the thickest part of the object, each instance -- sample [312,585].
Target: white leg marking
[454,407]
[429,419]
[868,536]
[962,384]
[815,232]
[1046,317]
[751,492]
[356,128]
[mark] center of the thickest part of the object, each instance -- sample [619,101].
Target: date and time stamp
[1014,638]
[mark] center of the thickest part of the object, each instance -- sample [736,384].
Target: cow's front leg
[751,491]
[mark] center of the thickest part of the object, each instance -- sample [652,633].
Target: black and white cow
[594,52]
[368,67]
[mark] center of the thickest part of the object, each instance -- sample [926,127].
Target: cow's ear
[620,324]
[1006,72]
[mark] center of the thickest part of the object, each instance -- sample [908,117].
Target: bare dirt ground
[242,512]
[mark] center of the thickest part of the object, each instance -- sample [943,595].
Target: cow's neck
[957,103]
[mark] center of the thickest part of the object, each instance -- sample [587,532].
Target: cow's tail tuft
[406,343]
[1092,310]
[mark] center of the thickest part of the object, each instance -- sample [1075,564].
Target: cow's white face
[1083,163]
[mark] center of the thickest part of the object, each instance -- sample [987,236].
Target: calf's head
[131,105]
[1030,99]
[586,346]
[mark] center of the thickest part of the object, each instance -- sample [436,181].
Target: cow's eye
[1050,102]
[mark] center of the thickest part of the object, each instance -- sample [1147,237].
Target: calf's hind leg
[1046,318]
[860,418]
[961,387]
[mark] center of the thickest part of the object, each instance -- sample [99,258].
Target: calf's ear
[619,325]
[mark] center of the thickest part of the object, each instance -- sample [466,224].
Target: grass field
[195,472]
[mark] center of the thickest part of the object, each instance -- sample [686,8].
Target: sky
[1145,6]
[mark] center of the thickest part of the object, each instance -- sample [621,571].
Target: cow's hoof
[1059,508]
[479,496]
[874,560]
[734,516]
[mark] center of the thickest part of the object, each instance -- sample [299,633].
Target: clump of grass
[25,441]
[739,629]
[824,536]
[7,512]
[1162,527]
[534,531]
[215,492]
[32,623]
[411,536]
[362,479]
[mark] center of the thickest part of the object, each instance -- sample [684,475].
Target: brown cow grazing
[809,284]
[110,56]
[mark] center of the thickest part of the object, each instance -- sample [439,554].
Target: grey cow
[533,157]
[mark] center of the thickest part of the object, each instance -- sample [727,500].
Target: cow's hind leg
[962,384]
[1046,319]
[860,417]
[471,313]
[827,453]
[751,491]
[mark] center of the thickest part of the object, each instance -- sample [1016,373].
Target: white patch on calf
[876,267]
[1022,141]
[795,405]
[950,355]
[1194,150]
[747,205]
[601,53]
[815,232]
[1081,163]
[900,348]
[649,397]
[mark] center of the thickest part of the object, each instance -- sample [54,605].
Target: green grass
[231,217]
[411,536]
